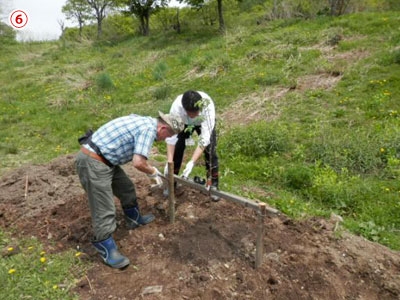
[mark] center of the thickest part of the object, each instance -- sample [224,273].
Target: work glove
[155,178]
[166,170]
[188,169]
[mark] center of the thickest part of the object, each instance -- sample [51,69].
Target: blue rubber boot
[134,219]
[109,252]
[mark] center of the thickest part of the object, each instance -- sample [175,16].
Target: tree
[99,7]
[7,34]
[201,3]
[143,9]
[338,7]
[61,23]
[78,10]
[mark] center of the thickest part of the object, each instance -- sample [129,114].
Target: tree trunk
[142,25]
[80,31]
[275,9]
[338,7]
[99,29]
[221,17]
[333,7]
[147,28]
[178,23]
[80,23]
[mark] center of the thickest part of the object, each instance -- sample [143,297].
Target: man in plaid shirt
[121,140]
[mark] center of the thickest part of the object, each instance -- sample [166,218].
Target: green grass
[326,150]
[29,271]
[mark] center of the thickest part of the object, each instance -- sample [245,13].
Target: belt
[94,155]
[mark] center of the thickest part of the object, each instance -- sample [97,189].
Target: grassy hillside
[308,111]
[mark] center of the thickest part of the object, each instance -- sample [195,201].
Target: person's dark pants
[101,184]
[210,153]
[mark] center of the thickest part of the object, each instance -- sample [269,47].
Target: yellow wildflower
[30,248]
[77,254]
[11,249]
[11,271]
[42,259]
[42,253]
[382,150]
[55,287]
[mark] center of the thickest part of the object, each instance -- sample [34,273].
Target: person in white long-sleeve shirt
[197,111]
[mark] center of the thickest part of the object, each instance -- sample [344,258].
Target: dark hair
[189,101]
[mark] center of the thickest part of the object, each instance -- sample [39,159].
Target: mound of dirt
[207,254]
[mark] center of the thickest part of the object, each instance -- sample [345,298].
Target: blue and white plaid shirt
[121,138]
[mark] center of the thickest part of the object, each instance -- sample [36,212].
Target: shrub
[104,81]
[336,190]
[7,34]
[256,140]
[298,177]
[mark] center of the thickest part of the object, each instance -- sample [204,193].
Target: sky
[43,18]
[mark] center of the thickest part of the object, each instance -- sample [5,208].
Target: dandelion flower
[77,254]
[11,271]
[11,249]
[55,287]
[42,259]
[382,150]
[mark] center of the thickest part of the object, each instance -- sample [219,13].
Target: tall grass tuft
[104,81]
[162,92]
[160,70]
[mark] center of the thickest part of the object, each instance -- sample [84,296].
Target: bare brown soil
[207,254]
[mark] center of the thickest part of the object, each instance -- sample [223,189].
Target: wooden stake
[26,186]
[171,192]
[260,235]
